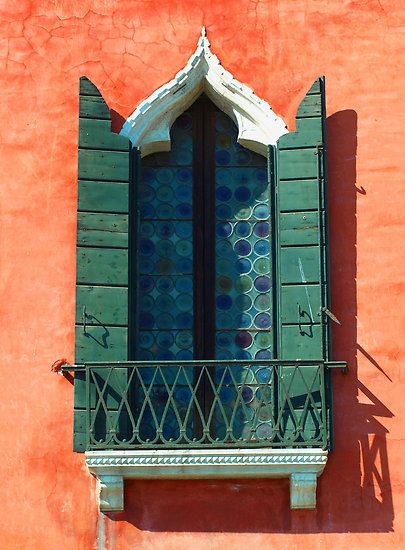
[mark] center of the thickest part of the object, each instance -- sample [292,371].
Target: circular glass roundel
[146,283]
[146,302]
[262,284]
[184,320]
[223,248]
[223,212]
[243,229]
[146,265]
[264,431]
[146,320]
[243,247]
[223,193]
[165,248]
[183,193]
[147,230]
[184,229]
[244,320]
[164,320]
[184,355]
[261,193]
[184,175]
[164,266]
[263,375]
[182,395]
[263,339]
[147,193]
[184,265]
[224,302]
[222,157]
[184,210]
[146,340]
[224,266]
[243,265]
[165,229]
[264,413]
[164,175]
[262,247]
[164,284]
[165,193]
[263,354]
[224,340]
[226,395]
[184,302]
[164,339]
[262,266]
[243,302]
[242,194]
[243,339]
[263,302]
[184,248]
[164,211]
[184,339]
[243,213]
[261,211]
[146,247]
[164,302]
[147,211]
[263,320]
[261,229]
[247,394]
[224,320]
[243,284]
[224,284]
[224,229]
[184,284]
[164,355]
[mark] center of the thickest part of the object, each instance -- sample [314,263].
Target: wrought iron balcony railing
[207,403]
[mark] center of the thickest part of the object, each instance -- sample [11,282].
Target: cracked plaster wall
[129,48]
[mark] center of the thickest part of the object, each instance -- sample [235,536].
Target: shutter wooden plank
[298,383]
[308,133]
[301,342]
[299,264]
[94,107]
[88,88]
[102,229]
[96,133]
[102,266]
[310,106]
[103,165]
[299,228]
[298,164]
[106,305]
[103,196]
[107,343]
[308,193]
[304,299]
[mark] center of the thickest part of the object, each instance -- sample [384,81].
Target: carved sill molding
[302,466]
[149,125]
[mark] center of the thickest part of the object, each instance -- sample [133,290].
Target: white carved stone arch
[148,127]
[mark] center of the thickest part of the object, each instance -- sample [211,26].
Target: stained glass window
[205,289]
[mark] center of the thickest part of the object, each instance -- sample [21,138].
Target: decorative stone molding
[302,466]
[149,125]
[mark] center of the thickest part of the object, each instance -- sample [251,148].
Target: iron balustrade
[181,404]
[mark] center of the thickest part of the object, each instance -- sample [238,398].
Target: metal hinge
[328,312]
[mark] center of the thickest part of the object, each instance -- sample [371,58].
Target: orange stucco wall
[129,48]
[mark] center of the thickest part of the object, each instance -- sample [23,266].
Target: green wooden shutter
[102,249]
[301,244]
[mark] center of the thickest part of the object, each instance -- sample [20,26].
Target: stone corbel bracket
[149,125]
[302,466]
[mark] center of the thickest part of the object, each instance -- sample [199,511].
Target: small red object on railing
[57,366]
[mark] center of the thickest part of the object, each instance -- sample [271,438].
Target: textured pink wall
[129,48]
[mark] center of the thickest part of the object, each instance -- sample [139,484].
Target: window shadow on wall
[354,492]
